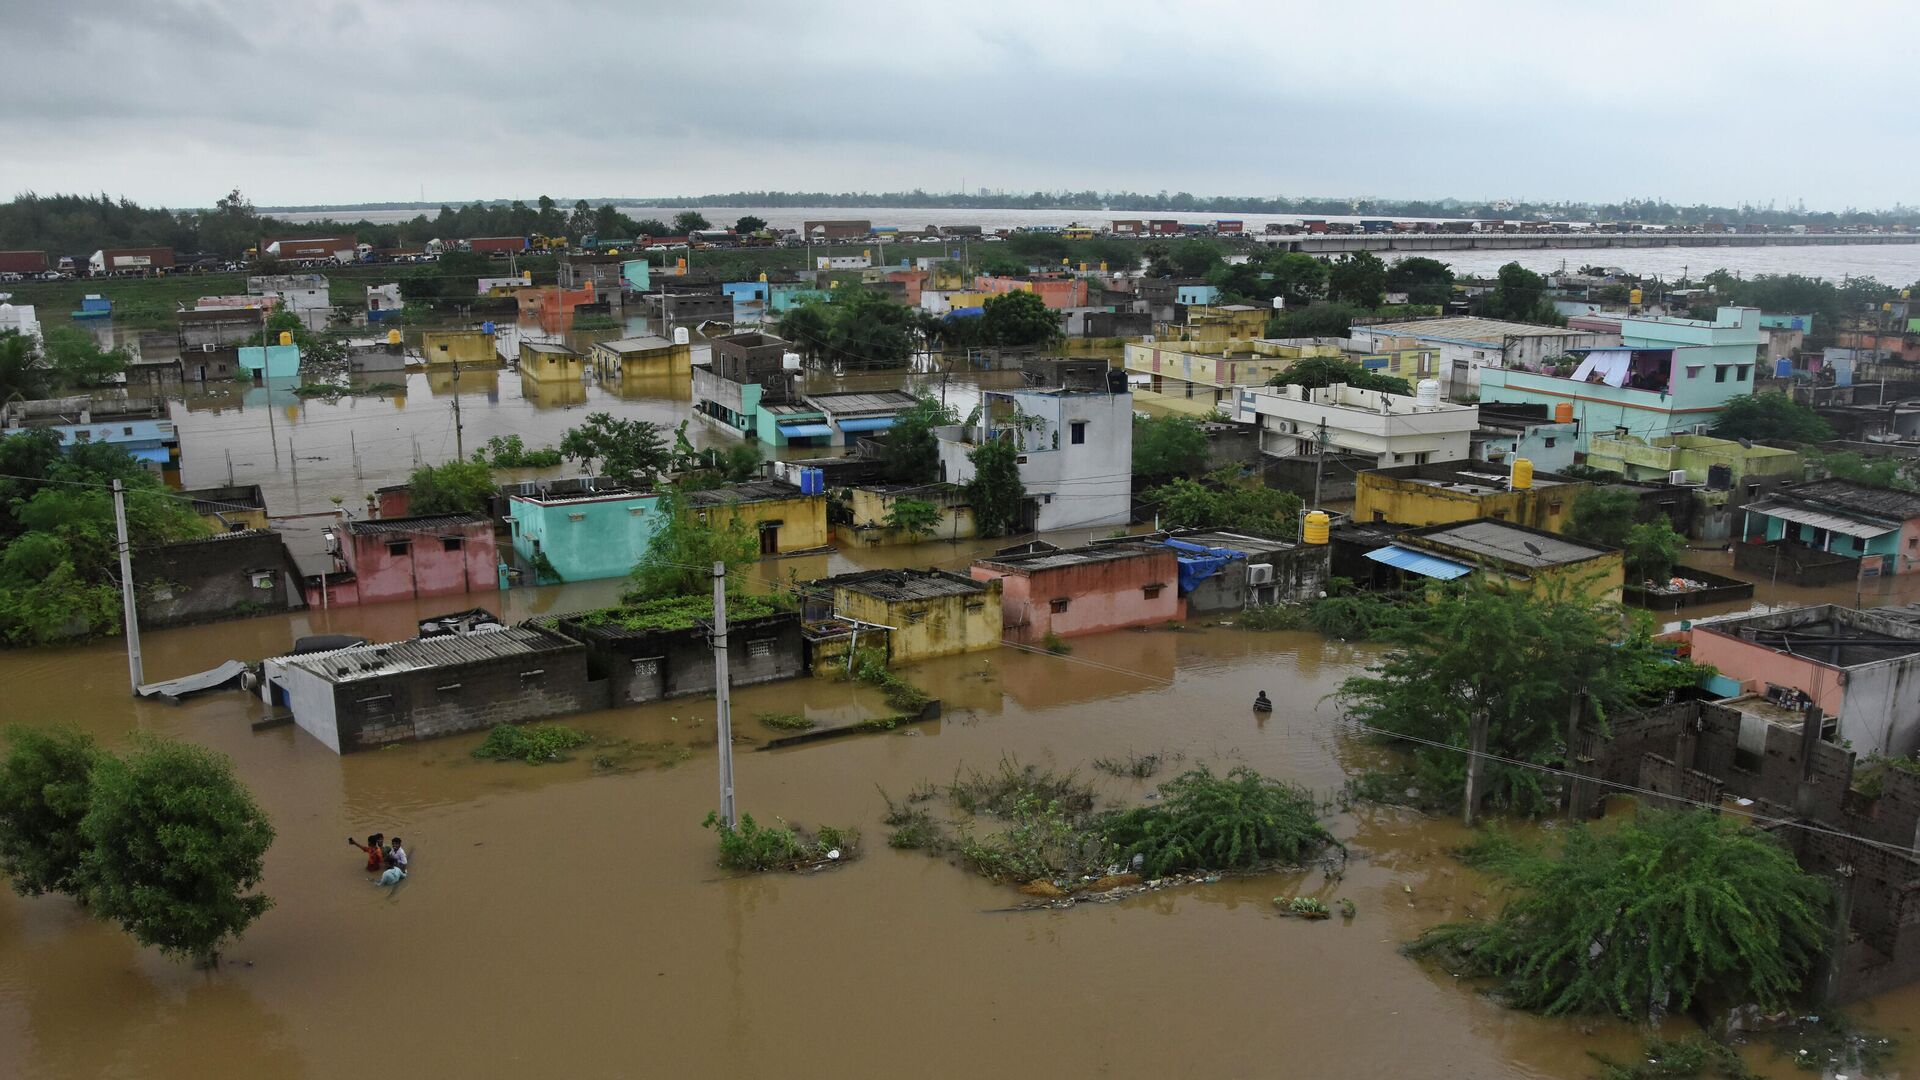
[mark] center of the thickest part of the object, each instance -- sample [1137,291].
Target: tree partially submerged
[682,550]
[632,451]
[1168,446]
[452,487]
[46,783]
[912,453]
[1239,821]
[1642,917]
[996,492]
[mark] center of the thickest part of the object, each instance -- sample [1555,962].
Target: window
[760,650]
[1058,607]
[1501,513]
[1693,370]
[532,676]
[916,615]
[1753,489]
[126,431]
[449,543]
[1152,591]
[1549,442]
[1078,428]
[397,548]
[1553,508]
[1720,373]
[1741,371]
[1379,515]
[975,607]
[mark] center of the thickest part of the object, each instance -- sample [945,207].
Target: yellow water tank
[286,337]
[1522,474]
[1563,413]
[393,337]
[1318,528]
[1633,296]
[763,276]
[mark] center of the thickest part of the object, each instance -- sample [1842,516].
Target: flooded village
[940,631]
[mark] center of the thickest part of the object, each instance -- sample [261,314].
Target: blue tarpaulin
[801,431]
[867,423]
[966,313]
[1199,562]
[1419,563]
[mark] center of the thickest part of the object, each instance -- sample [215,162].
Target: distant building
[1878,528]
[1084,590]
[1209,373]
[20,319]
[644,355]
[548,362]
[1467,344]
[604,272]
[930,612]
[451,347]
[270,361]
[297,293]
[842,262]
[830,231]
[1392,429]
[1438,493]
[409,558]
[142,427]
[384,302]
[1076,450]
[1055,292]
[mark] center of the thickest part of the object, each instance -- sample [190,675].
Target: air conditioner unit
[1699,429]
[1677,476]
[1260,574]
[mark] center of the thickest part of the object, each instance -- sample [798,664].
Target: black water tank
[1720,477]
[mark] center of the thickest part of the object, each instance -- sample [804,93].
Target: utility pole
[128,612]
[1476,761]
[229,466]
[459,445]
[722,698]
[1319,460]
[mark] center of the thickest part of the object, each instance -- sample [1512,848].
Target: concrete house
[139,425]
[928,613]
[1463,491]
[411,557]
[369,696]
[870,506]
[206,329]
[583,536]
[1224,571]
[1532,559]
[223,576]
[1076,449]
[785,519]
[1084,590]
[230,509]
[1509,430]
[604,272]
[1390,429]
[1877,528]
[548,362]
[647,354]
[449,347]
[1467,344]
[654,664]
[1208,373]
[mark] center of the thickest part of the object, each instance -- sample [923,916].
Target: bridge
[1333,244]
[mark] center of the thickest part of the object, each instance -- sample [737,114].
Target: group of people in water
[386,858]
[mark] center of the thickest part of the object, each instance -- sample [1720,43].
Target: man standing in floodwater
[376,856]
[397,856]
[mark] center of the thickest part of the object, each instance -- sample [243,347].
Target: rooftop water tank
[1317,528]
[1522,474]
[681,336]
[1427,394]
[1563,413]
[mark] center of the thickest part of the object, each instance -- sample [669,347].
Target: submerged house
[677,660]
[1878,529]
[1084,590]
[1222,570]
[928,613]
[582,536]
[406,558]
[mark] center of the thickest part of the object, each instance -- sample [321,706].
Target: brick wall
[213,578]
[425,704]
[674,663]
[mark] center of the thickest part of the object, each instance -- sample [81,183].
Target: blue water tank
[486,327]
[1783,368]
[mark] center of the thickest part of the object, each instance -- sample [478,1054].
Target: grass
[1054,644]
[784,721]
[870,667]
[535,744]
[1134,766]
[680,612]
[757,848]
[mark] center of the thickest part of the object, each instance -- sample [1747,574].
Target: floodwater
[566,920]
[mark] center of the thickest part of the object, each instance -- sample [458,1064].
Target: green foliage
[1317,371]
[1661,1059]
[632,451]
[1055,644]
[855,329]
[1305,907]
[915,517]
[174,844]
[1167,446]
[748,225]
[682,550]
[21,375]
[75,361]
[535,744]
[1239,821]
[1651,550]
[687,221]
[1273,617]
[1519,295]
[1770,414]
[1359,279]
[1134,766]
[1019,319]
[1226,504]
[870,667]
[912,451]
[996,492]
[1518,658]
[681,611]
[1314,320]
[1645,916]
[1602,516]
[1879,472]
[453,487]
[756,848]
[785,721]
[1299,278]
[1424,280]
[45,786]
[1042,840]
[511,453]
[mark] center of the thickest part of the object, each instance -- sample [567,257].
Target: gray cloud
[351,101]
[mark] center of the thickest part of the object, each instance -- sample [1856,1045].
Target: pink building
[404,558]
[1055,292]
[1084,590]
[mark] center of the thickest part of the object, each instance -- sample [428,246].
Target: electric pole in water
[1319,460]
[722,703]
[127,611]
[459,445]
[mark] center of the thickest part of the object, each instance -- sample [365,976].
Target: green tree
[1319,371]
[689,221]
[1651,549]
[807,326]
[1195,258]
[21,376]
[1770,414]
[1880,472]
[652,227]
[1225,504]
[174,848]
[996,493]
[912,454]
[1424,280]
[1019,319]
[683,548]
[1521,295]
[46,781]
[915,517]
[748,224]
[1167,446]
[1645,918]
[1359,279]
[1516,659]
[1602,516]
[76,361]
[632,451]
[1314,320]
[452,487]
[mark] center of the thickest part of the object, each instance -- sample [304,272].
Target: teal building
[583,536]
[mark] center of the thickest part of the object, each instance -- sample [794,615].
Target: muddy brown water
[569,920]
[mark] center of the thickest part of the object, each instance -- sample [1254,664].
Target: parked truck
[497,245]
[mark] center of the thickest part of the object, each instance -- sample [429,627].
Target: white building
[842,262]
[1468,343]
[1393,429]
[1076,453]
[20,318]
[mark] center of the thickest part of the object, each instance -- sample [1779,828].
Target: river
[567,920]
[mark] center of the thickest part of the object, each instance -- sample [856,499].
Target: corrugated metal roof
[1466,328]
[414,654]
[752,491]
[1848,496]
[429,524]
[1510,543]
[1419,562]
[1845,526]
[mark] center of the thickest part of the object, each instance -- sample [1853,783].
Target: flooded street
[570,920]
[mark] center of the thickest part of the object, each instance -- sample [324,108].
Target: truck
[23,262]
[130,261]
[497,245]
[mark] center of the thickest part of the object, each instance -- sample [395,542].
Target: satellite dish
[1529,546]
[1746,444]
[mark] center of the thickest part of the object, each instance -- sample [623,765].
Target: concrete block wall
[471,697]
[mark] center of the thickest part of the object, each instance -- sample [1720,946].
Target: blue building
[1196,295]
[141,427]
[583,536]
[270,361]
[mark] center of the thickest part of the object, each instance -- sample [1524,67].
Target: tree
[1314,320]
[174,848]
[1319,371]
[581,221]
[1226,504]
[1514,660]
[912,454]
[1521,295]
[996,492]
[1602,516]
[807,326]
[1019,319]
[1644,917]
[1359,279]
[689,221]
[915,517]
[1884,472]
[748,224]
[1167,446]
[683,548]
[1424,280]
[651,227]
[21,376]
[1770,414]
[629,450]
[76,361]
[548,217]
[45,784]
[1194,258]
[453,487]
[1651,549]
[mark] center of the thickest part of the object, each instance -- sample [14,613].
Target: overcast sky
[338,101]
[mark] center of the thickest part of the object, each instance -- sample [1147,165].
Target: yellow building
[646,355]
[1440,493]
[1506,554]
[546,362]
[785,520]
[1204,373]
[929,612]
[231,509]
[1221,323]
[872,507]
[458,347]
[1409,364]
